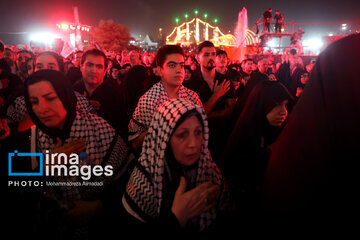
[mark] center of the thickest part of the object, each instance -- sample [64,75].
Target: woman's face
[46,104]
[187,140]
[187,74]
[114,73]
[46,61]
[304,78]
[278,114]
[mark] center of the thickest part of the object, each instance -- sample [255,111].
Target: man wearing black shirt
[216,93]
[102,94]
[222,67]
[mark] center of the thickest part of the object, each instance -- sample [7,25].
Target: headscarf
[103,145]
[313,171]
[66,95]
[244,149]
[255,78]
[145,190]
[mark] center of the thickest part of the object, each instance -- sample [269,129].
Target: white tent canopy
[148,42]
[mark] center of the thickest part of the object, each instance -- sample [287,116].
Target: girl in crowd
[175,185]
[249,146]
[188,73]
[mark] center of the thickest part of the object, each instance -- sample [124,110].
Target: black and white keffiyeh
[144,194]
[103,147]
[148,104]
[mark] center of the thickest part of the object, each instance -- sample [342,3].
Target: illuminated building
[197,30]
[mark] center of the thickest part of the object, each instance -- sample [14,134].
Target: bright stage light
[313,44]
[45,37]
[271,43]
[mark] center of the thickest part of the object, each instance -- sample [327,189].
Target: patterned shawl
[145,190]
[103,146]
[148,104]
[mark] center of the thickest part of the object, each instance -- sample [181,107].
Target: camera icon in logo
[17,161]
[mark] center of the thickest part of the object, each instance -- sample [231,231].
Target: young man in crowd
[222,61]
[170,67]
[216,93]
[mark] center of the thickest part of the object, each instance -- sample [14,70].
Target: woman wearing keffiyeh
[61,127]
[175,181]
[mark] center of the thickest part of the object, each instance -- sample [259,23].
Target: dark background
[19,18]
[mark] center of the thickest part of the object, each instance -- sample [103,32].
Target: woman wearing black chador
[249,146]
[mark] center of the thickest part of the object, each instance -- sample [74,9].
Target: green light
[177,20]
[186,15]
[205,15]
[216,20]
[196,12]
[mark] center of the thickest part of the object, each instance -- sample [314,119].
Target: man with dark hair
[209,84]
[216,93]
[102,94]
[95,53]
[10,58]
[163,52]
[247,69]
[21,58]
[267,17]
[222,68]
[170,67]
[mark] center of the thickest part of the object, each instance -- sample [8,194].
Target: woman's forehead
[40,88]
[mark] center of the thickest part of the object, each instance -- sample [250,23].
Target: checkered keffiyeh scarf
[144,191]
[104,147]
[148,104]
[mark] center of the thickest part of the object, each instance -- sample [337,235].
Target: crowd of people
[196,141]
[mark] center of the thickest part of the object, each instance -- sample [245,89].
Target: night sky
[145,17]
